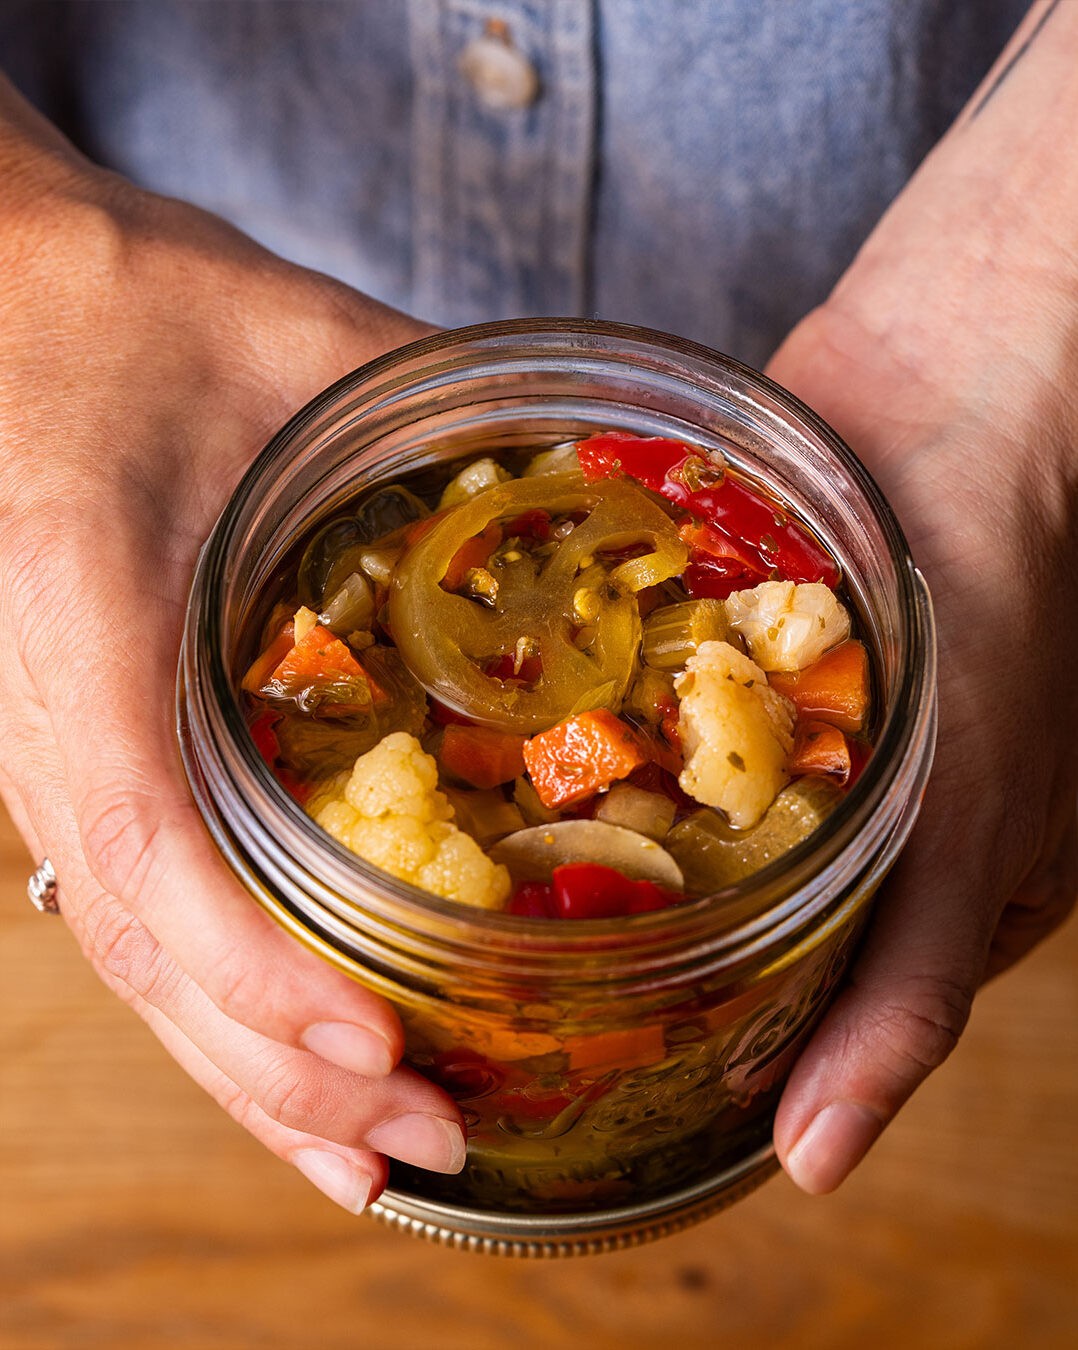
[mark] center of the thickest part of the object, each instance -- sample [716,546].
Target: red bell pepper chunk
[591,891]
[715,578]
[741,513]
[264,734]
[648,459]
[712,544]
[780,545]
[533,900]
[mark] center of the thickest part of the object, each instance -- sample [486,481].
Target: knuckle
[126,953]
[920,1024]
[295,1097]
[119,839]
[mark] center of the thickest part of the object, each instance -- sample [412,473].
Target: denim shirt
[708,167]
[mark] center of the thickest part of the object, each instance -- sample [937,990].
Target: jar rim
[332,877]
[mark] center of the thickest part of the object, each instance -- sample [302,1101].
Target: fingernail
[334,1176]
[353,1047]
[831,1146]
[423,1141]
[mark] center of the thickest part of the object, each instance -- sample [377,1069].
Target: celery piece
[673,633]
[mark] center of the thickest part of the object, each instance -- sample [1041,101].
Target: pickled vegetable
[532,855]
[335,551]
[713,854]
[451,642]
[673,633]
[598,674]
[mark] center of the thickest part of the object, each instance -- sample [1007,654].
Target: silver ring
[41,889]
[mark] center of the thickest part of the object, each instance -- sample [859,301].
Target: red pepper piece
[442,716]
[712,544]
[648,459]
[504,668]
[715,579]
[761,525]
[533,524]
[591,891]
[533,900]
[784,546]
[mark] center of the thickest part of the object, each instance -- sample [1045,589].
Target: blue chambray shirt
[708,167]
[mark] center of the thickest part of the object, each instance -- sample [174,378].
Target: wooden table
[134,1214]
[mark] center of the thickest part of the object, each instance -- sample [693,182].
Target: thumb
[901,1012]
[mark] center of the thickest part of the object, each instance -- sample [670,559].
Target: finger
[143,841]
[139,830]
[902,1011]
[402,1115]
[128,954]
[351,1177]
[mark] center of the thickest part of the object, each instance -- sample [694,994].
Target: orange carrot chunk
[318,658]
[481,756]
[833,689]
[581,756]
[820,748]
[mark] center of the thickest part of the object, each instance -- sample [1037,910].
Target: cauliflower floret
[736,732]
[788,626]
[391,813]
[397,778]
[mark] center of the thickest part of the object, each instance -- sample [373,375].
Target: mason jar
[619,1078]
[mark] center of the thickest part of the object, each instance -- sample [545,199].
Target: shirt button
[500,73]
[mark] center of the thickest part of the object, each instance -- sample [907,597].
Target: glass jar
[619,1078]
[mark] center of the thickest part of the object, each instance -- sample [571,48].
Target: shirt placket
[502,195]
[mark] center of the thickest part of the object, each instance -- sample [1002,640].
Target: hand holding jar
[148,350]
[946,356]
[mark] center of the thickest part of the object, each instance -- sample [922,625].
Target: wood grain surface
[134,1214]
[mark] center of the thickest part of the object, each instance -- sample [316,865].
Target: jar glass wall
[619,1077]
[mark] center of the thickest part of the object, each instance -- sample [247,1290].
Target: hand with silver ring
[147,352]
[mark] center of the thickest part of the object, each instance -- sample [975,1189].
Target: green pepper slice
[573,607]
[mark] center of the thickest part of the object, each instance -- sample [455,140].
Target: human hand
[948,359]
[147,351]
